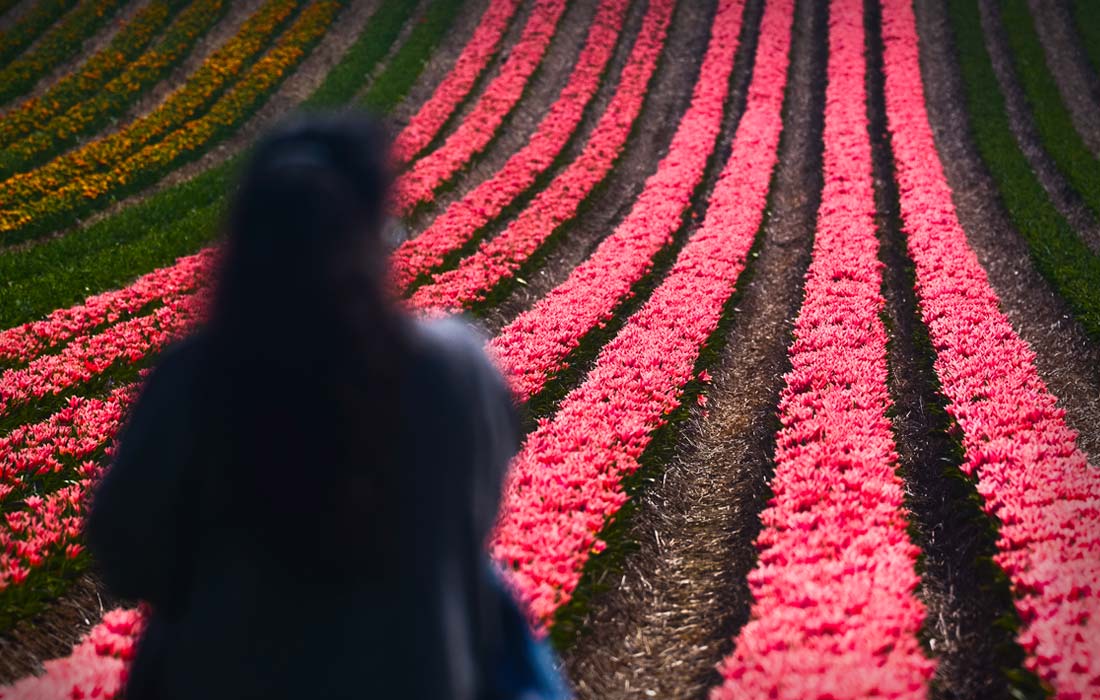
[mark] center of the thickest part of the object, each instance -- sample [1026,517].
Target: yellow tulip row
[33,112]
[200,90]
[43,130]
[75,195]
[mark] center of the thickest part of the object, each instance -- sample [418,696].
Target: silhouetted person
[305,486]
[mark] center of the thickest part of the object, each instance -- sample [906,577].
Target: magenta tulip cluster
[835,613]
[434,113]
[457,224]
[566,484]
[536,344]
[1030,473]
[418,184]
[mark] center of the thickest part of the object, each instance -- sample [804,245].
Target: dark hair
[305,343]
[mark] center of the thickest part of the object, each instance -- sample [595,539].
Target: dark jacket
[235,617]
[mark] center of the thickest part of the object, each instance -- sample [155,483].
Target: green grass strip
[1052,119]
[22,34]
[1059,253]
[1086,15]
[409,61]
[353,70]
[64,40]
[176,221]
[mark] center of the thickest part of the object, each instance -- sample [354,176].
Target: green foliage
[1052,119]
[1059,253]
[1086,15]
[354,69]
[409,61]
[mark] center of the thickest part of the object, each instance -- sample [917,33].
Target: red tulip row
[96,668]
[481,123]
[434,113]
[566,483]
[59,445]
[1030,472]
[557,203]
[485,202]
[834,611]
[24,343]
[68,447]
[87,356]
[535,345]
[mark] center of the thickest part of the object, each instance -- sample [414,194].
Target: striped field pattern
[601,184]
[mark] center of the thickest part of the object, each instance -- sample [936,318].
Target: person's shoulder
[452,337]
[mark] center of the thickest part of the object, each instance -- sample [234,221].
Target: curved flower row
[190,139]
[91,75]
[90,355]
[500,256]
[58,45]
[536,343]
[834,612]
[43,532]
[41,128]
[566,483]
[57,447]
[434,113]
[480,125]
[1030,472]
[203,86]
[485,202]
[96,668]
[30,26]
[23,343]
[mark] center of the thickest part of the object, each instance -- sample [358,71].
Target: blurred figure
[305,486]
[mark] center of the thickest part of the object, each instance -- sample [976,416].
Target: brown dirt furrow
[542,90]
[53,633]
[669,95]
[444,57]
[670,616]
[1069,65]
[1066,360]
[92,45]
[1061,193]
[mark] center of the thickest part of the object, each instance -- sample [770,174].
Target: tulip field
[800,300]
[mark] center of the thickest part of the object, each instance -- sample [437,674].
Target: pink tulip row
[834,611]
[479,126]
[96,668]
[67,446]
[26,342]
[1030,472]
[535,345]
[75,433]
[566,484]
[500,256]
[485,202]
[434,113]
[89,355]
